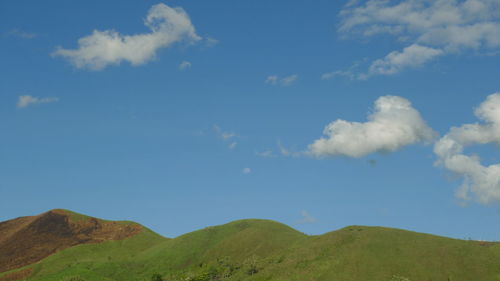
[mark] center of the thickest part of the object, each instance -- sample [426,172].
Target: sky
[320,115]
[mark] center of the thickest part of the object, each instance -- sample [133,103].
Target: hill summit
[26,240]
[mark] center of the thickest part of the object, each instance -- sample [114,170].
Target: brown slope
[26,240]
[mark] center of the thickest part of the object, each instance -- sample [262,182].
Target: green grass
[278,252]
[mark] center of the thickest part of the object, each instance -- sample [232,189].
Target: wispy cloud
[102,48]
[27,100]
[226,136]
[265,153]
[232,145]
[306,218]
[22,34]
[394,124]
[272,79]
[185,65]
[285,81]
[211,42]
[432,29]
[480,182]
[246,171]
[347,73]
[289,80]
[287,152]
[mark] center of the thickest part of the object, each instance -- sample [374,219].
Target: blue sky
[184,114]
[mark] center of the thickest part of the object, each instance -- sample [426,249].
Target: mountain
[241,250]
[26,240]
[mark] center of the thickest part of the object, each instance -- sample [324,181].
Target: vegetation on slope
[267,250]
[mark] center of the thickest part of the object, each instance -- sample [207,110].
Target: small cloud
[272,79]
[306,218]
[285,82]
[21,34]
[222,134]
[289,80]
[246,171]
[211,42]
[232,145]
[185,65]
[27,100]
[352,73]
[226,136]
[266,153]
[330,75]
[286,152]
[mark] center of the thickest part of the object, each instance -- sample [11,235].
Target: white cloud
[246,171]
[330,75]
[272,79]
[411,56]
[394,124]
[185,65]
[306,218]
[227,135]
[232,145]
[481,183]
[289,80]
[431,27]
[102,48]
[27,100]
[285,81]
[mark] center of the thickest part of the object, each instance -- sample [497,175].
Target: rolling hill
[241,250]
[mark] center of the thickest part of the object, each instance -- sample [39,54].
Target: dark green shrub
[156,277]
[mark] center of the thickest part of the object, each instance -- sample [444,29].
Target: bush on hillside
[156,277]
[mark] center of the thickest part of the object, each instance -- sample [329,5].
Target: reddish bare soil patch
[18,275]
[26,240]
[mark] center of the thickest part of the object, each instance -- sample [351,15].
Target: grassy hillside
[267,250]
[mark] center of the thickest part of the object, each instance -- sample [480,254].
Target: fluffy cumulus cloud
[27,100]
[393,124]
[429,27]
[480,182]
[102,48]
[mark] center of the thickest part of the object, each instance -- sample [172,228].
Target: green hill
[267,250]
